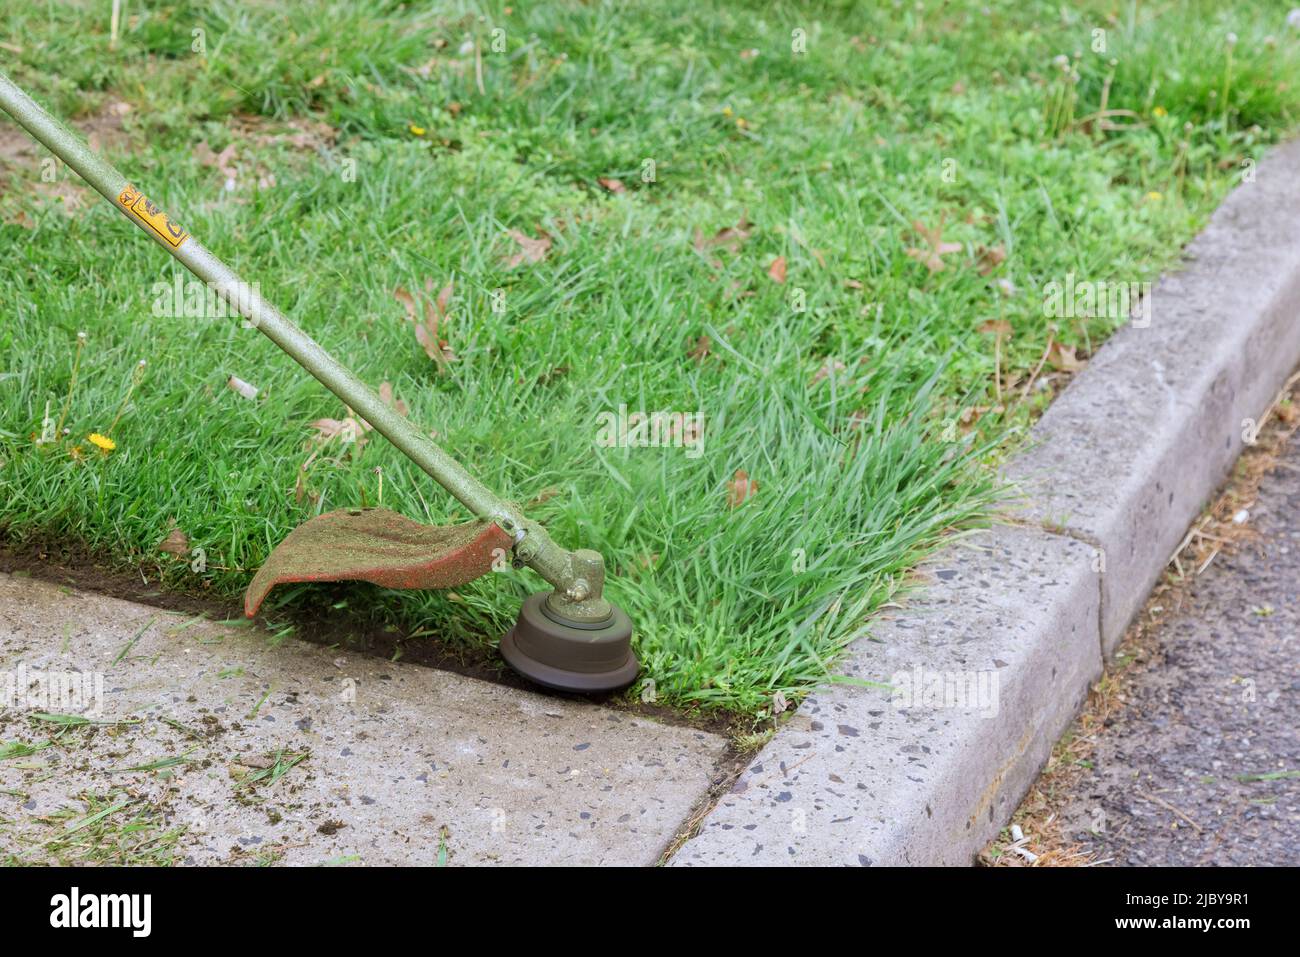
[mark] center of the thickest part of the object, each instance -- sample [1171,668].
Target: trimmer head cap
[571,656]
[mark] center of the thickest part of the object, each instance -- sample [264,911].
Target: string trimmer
[570,638]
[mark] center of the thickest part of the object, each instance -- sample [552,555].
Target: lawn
[821,232]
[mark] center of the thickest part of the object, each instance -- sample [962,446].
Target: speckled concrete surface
[1128,455]
[401,760]
[863,776]
[1211,727]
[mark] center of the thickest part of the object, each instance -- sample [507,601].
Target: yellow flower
[1160,111]
[417,130]
[103,442]
[1155,197]
[726,111]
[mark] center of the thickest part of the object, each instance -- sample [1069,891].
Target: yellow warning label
[147,211]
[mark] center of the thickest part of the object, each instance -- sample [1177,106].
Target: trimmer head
[585,657]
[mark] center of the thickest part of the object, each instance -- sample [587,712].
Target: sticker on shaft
[148,212]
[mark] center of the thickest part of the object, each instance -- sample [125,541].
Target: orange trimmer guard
[382,547]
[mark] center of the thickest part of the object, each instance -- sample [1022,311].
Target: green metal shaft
[572,575]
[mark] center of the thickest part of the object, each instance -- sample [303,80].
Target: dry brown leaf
[223,162]
[545,495]
[304,133]
[553,374]
[1062,357]
[443,300]
[21,219]
[741,488]
[387,397]
[829,368]
[990,258]
[531,250]
[729,238]
[857,419]
[427,321]
[345,430]
[737,290]
[408,303]
[931,256]
[971,415]
[776,271]
[176,543]
[700,349]
[999,327]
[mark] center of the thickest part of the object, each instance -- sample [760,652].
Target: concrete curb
[1127,456]
[1121,464]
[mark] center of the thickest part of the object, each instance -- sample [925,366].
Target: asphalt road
[1202,764]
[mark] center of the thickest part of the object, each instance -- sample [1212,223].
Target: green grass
[107,830]
[952,114]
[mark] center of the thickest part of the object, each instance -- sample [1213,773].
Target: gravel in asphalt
[1201,764]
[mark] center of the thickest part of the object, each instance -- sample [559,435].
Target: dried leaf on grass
[427,318]
[1062,357]
[386,394]
[990,258]
[176,543]
[349,430]
[729,238]
[531,251]
[831,367]
[700,349]
[740,489]
[932,253]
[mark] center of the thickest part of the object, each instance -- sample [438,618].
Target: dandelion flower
[417,130]
[102,442]
[1154,196]
[1160,111]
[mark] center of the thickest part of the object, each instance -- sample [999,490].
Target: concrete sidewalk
[400,764]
